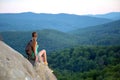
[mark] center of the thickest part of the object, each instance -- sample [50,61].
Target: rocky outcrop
[13,66]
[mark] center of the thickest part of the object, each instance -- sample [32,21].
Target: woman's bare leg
[43,56]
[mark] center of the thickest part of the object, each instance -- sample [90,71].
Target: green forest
[86,63]
[53,40]
[91,53]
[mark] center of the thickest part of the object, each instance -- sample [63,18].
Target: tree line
[86,63]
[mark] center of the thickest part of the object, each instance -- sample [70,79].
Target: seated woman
[41,56]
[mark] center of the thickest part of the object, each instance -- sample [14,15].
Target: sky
[78,7]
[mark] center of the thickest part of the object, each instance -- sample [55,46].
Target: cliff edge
[13,66]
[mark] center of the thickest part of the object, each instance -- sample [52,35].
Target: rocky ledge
[13,66]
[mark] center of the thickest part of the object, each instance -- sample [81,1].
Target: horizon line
[57,13]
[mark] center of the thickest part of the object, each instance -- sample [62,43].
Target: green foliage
[86,63]
[104,34]
[53,40]
[98,62]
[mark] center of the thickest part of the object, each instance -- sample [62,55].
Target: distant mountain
[51,40]
[106,34]
[61,22]
[112,16]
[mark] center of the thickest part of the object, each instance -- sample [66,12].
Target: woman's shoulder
[34,41]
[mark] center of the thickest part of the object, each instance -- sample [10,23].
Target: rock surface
[13,66]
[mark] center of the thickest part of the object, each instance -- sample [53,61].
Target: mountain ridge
[112,15]
[100,34]
[61,22]
[52,40]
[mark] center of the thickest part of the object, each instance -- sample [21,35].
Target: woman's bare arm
[34,47]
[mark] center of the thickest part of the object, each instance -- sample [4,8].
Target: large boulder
[13,66]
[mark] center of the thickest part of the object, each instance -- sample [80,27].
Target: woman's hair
[34,34]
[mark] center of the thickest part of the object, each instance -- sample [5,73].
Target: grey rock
[13,66]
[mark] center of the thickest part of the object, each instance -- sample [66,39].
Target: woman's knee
[44,51]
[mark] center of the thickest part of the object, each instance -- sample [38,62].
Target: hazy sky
[60,6]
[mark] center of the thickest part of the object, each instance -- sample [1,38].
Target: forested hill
[100,34]
[78,47]
[61,22]
[51,40]
[86,63]
[48,39]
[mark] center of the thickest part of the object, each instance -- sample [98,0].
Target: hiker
[37,56]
